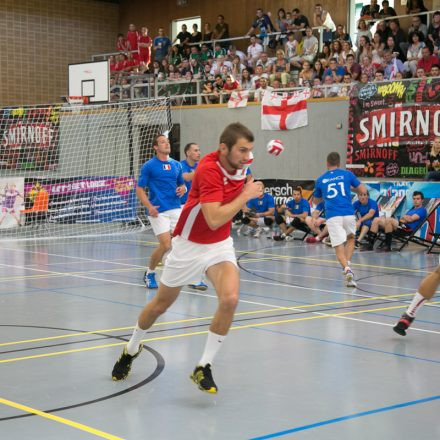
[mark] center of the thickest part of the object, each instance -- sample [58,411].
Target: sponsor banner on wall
[82,200]
[391,127]
[11,201]
[282,190]
[29,138]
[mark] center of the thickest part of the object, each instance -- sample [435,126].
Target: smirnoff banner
[29,138]
[84,200]
[391,126]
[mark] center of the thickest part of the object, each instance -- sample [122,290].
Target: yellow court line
[202,318]
[58,419]
[182,335]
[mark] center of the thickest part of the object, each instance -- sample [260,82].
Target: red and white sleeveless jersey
[211,183]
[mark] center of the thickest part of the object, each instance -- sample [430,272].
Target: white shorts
[165,222]
[340,227]
[188,261]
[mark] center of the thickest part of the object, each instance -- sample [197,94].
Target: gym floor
[306,358]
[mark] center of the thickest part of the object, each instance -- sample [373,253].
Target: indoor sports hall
[311,353]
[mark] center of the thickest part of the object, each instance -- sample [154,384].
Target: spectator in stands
[254,51]
[282,26]
[219,50]
[371,10]
[208,92]
[364,49]
[309,46]
[261,22]
[364,78]
[366,210]
[144,43]
[207,33]
[435,70]
[321,17]
[318,70]
[237,67]
[420,73]
[407,224]
[132,39]
[347,82]
[352,68]
[334,70]
[336,49]
[363,31]
[161,45]
[367,69]
[221,31]
[265,62]
[379,76]
[324,56]
[387,10]
[299,21]
[417,25]
[130,63]
[291,47]
[184,38]
[414,53]
[383,30]
[233,51]
[317,91]
[112,63]
[122,44]
[205,53]
[280,69]
[340,34]
[378,47]
[230,85]
[175,58]
[391,64]
[434,32]
[305,78]
[264,87]
[120,62]
[256,77]
[246,80]
[196,36]
[427,60]
[416,6]
[346,50]
[297,209]
[331,87]
[390,45]
[397,33]
[433,162]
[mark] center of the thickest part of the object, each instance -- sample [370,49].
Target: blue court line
[349,417]
[343,344]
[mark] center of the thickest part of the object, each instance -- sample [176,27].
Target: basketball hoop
[78,100]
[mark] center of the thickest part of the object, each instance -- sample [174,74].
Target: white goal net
[71,170]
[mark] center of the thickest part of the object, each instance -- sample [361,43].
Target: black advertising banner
[29,138]
[282,190]
[391,127]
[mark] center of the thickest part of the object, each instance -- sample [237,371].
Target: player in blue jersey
[163,177]
[189,165]
[407,224]
[334,187]
[258,213]
[296,210]
[367,210]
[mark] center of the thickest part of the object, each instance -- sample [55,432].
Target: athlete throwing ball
[202,244]
[334,187]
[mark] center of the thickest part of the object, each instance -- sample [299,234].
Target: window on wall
[355,14]
[176,25]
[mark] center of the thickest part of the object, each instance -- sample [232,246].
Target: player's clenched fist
[253,189]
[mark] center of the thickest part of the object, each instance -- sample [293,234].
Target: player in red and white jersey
[132,38]
[144,43]
[202,244]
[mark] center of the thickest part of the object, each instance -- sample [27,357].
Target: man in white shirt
[253,51]
[264,87]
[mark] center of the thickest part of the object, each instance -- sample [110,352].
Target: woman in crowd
[246,80]
[433,162]
[237,67]
[336,49]
[281,68]
[318,70]
[364,49]
[391,46]
[306,74]
[175,58]
[325,55]
[414,53]
[368,68]
[346,49]
[207,33]
[282,25]
[363,31]
[196,36]
[378,47]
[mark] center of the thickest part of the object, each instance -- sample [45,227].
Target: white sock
[212,346]
[150,270]
[347,268]
[135,340]
[416,303]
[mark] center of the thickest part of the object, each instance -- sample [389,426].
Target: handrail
[375,20]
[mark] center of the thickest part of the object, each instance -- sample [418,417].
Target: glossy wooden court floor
[307,358]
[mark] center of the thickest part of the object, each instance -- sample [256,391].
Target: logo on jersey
[166,166]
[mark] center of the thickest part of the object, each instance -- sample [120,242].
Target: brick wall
[39,38]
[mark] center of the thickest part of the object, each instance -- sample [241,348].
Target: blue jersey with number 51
[334,187]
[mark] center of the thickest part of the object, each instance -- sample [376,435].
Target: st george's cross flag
[284,112]
[238,99]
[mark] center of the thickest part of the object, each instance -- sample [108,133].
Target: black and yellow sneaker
[123,364]
[402,326]
[202,376]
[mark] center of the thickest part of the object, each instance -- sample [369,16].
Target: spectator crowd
[291,58]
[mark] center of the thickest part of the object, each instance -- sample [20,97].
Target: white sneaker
[289,238]
[257,233]
[349,279]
